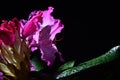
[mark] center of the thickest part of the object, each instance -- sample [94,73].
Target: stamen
[57,40]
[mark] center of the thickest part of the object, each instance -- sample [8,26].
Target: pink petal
[29,29]
[47,18]
[7,31]
[56,28]
[7,37]
[31,26]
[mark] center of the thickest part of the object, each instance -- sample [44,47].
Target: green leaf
[66,65]
[107,57]
[37,62]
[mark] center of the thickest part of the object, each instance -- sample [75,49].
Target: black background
[90,30]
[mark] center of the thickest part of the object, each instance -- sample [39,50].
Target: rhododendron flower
[14,52]
[30,26]
[46,28]
[7,31]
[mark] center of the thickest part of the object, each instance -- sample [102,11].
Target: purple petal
[43,38]
[0,42]
[47,18]
[1,76]
[48,52]
[47,48]
[56,28]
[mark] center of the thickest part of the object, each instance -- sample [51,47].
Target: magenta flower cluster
[38,31]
